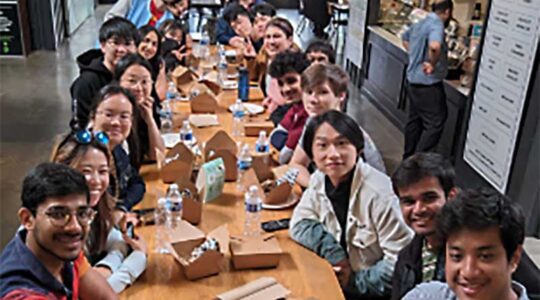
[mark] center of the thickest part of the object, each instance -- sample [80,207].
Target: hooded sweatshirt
[22,275]
[93,76]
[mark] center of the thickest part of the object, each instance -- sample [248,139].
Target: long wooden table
[301,271]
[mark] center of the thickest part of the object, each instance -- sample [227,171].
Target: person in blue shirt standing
[427,68]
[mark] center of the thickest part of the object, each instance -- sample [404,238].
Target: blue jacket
[22,274]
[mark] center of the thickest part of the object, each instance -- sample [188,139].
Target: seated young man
[149,12]
[324,87]
[320,51]
[424,183]
[483,232]
[45,259]
[224,31]
[291,117]
[245,40]
[117,37]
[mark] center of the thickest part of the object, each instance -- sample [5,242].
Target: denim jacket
[375,231]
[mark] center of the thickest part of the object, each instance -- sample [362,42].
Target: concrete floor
[35,108]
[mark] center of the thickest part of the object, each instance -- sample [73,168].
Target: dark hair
[119,28]
[128,61]
[318,74]
[133,141]
[323,46]
[234,11]
[288,61]
[341,122]
[480,209]
[264,9]
[51,180]
[442,5]
[69,152]
[422,165]
[156,60]
[283,25]
[171,25]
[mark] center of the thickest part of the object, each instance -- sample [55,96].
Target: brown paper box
[250,253]
[213,86]
[225,147]
[192,211]
[183,78]
[264,288]
[277,195]
[261,166]
[180,168]
[187,237]
[204,103]
[253,129]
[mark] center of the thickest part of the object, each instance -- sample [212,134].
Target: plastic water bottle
[175,206]
[186,134]
[253,205]
[238,116]
[204,45]
[222,70]
[262,145]
[172,92]
[162,230]
[166,117]
[243,164]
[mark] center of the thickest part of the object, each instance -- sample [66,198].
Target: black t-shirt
[339,197]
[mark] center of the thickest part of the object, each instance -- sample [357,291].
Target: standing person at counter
[427,49]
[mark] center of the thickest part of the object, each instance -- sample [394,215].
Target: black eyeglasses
[61,216]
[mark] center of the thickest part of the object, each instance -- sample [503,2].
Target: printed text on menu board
[508,55]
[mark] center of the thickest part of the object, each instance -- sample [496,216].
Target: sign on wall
[354,45]
[11,40]
[504,73]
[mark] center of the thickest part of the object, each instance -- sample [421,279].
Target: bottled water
[204,45]
[262,145]
[186,134]
[174,200]
[222,70]
[172,92]
[162,230]
[166,117]
[253,205]
[238,116]
[244,163]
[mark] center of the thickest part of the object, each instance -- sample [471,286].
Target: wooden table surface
[301,271]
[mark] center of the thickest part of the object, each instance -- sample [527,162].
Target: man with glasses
[117,37]
[44,260]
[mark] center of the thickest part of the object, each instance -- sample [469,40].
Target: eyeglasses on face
[133,82]
[117,43]
[124,117]
[60,216]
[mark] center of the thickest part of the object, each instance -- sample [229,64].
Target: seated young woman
[115,113]
[177,44]
[118,257]
[134,73]
[324,87]
[349,214]
[150,49]
[278,38]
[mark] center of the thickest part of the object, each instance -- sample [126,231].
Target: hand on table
[343,272]
[136,243]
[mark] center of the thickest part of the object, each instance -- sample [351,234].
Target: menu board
[508,55]
[11,42]
[354,45]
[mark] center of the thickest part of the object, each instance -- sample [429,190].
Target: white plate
[250,108]
[230,85]
[171,139]
[292,200]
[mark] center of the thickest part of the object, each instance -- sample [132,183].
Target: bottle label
[171,95]
[175,206]
[253,207]
[243,164]
[186,136]
[262,148]
[238,113]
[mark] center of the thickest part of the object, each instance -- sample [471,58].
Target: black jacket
[408,271]
[93,76]
[131,186]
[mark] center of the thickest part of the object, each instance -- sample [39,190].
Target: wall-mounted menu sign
[508,55]
[11,42]
[354,44]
